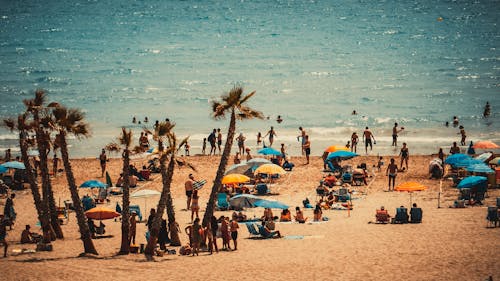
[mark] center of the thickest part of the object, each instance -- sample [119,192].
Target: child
[380,164]
[204,147]
[348,144]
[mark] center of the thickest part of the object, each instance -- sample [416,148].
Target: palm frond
[112,147]
[126,137]
[137,149]
[245,98]
[53,104]
[10,124]
[40,97]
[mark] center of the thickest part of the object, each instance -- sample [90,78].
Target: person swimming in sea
[487,110]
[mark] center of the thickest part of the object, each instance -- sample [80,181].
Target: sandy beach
[450,244]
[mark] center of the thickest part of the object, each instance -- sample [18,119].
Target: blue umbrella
[454,158]
[269,151]
[3,169]
[467,162]
[471,181]
[271,204]
[341,154]
[479,168]
[258,161]
[14,165]
[93,184]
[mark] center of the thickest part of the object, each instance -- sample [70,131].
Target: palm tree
[41,123]
[71,121]
[233,103]
[125,140]
[162,132]
[23,144]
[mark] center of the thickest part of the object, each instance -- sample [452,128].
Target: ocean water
[418,63]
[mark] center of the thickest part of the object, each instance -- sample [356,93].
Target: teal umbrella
[479,168]
[471,181]
[93,184]
[14,165]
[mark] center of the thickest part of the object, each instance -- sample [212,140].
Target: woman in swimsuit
[195,207]
[405,155]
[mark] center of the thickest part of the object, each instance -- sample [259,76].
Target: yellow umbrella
[410,187]
[234,178]
[270,169]
[333,148]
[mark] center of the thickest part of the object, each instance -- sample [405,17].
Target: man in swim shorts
[189,190]
[368,136]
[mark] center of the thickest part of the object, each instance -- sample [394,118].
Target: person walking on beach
[214,226]
[271,133]
[259,138]
[102,160]
[368,136]
[204,146]
[302,136]
[392,171]
[354,142]
[212,138]
[8,155]
[306,147]
[234,233]
[240,139]
[395,132]
[55,162]
[462,133]
[8,210]
[405,155]
[188,186]
[186,148]
[219,140]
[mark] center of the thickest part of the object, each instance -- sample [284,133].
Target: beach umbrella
[271,204]
[341,154]
[241,168]
[485,145]
[3,169]
[258,161]
[333,148]
[235,178]
[14,165]
[410,187]
[479,168]
[467,162]
[101,213]
[269,151]
[483,157]
[495,161]
[471,181]
[145,193]
[243,201]
[93,184]
[454,158]
[270,169]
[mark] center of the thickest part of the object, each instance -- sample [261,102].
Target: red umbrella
[101,213]
[485,145]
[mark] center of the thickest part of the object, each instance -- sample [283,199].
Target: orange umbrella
[410,187]
[234,178]
[101,213]
[333,148]
[485,145]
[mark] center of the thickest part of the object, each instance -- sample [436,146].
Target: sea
[418,63]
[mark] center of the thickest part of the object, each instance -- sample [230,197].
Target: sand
[450,244]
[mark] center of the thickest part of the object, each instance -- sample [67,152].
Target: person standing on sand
[441,155]
[55,162]
[204,146]
[8,155]
[405,155]
[241,143]
[212,138]
[306,147]
[219,140]
[454,148]
[303,137]
[271,133]
[368,136]
[133,228]
[392,171]
[234,233]
[354,142]
[195,205]
[462,133]
[102,160]
[188,186]
[395,132]
[214,226]
[259,138]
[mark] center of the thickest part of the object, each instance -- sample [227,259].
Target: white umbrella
[145,193]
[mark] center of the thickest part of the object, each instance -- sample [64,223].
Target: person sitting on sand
[382,215]
[330,180]
[317,213]
[268,214]
[249,156]
[28,237]
[286,215]
[145,172]
[299,215]
[237,158]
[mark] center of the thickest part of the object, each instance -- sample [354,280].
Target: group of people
[383,216]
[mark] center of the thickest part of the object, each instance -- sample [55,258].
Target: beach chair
[492,216]
[320,193]
[262,189]
[401,215]
[382,216]
[62,215]
[265,234]
[416,215]
[343,195]
[252,231]
[222,203]
[347,177]
[137,210]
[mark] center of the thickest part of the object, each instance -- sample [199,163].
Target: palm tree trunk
[125,245]
[42,216]
[209,212]
[48,195]
[172,224]
[166,175]
[85,235]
